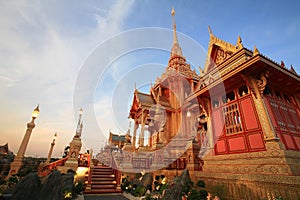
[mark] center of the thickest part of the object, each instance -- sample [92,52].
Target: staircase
[102,180]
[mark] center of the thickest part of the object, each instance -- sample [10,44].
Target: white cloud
[40,57]
[103,110]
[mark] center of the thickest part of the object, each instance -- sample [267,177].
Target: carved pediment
[219,50]
[221,55]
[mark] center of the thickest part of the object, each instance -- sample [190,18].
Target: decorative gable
[219,51]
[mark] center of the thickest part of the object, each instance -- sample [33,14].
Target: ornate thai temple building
[236,125]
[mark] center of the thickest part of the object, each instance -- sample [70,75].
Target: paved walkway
[104,197]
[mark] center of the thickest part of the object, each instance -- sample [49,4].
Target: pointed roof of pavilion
[113,137]
[140,101]
[146,101]
[217,45]
[235,61]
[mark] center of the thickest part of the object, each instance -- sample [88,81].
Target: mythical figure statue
[127,138]
[262,81]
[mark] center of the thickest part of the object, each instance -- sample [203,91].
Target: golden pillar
[257,86]
[18,160]
[51,148]
[142,134]
[136,126]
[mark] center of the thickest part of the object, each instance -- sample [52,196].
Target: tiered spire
[177,62]
[176,49]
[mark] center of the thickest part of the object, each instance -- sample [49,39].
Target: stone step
[103,178]
[102,191]
[105,172]
[103,186]
[104,182]
[102,170]
[101,167]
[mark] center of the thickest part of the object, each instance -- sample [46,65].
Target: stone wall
[256,175]
[238,186]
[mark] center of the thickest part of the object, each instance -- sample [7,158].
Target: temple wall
[240,186]
[257,175]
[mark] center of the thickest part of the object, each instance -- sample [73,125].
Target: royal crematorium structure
[235,125]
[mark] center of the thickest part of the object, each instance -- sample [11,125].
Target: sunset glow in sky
[45,44]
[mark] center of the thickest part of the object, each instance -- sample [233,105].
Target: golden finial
[209,30]
[173,16]
[293,70]
[176,50]
[173,11]
[239,43]
[255,51]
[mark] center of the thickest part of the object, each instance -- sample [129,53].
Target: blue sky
[45,45]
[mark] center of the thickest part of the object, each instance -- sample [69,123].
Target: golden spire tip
[173,11]
[209,30]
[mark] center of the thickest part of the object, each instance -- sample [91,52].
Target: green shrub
[13,179]
[201,183]
[125,184]
[197,195]
[148,197]
[187,186]
[203,194]
[140,191]
[163,187]
[194,195]
[71,171]
[79,187]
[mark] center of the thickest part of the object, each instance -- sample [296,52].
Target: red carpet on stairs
[103,181]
